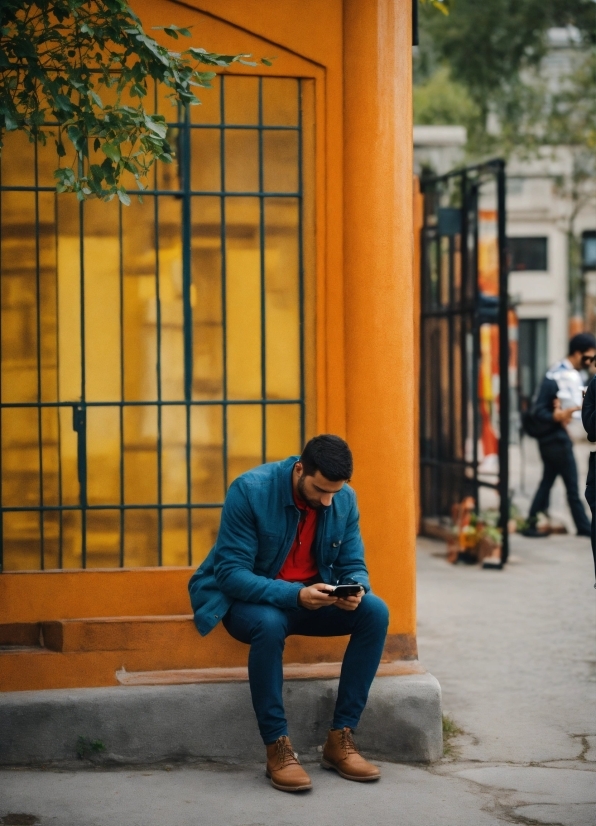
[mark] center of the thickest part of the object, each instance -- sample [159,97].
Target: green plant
[79,71]
[87,748]
[450,731]
[439,99]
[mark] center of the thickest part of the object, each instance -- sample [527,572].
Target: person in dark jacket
[589,422]
[559,400]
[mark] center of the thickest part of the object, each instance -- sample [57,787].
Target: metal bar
[301,272]
[113,507]
[158,379]
[451,349]
[432,387]
[186,258]
[224,297]
[166,403]
[449,312]
[438,389]
[262,286]
[490,166]
[422,415]
[503,364]
[415,38]
[428,460]
[79,425]
[440,463]
[122,384]
[174,124]
[490,485]
[254,127]
[158,360]
[175,192]
[464,264]
[472,194]
[187,310]
[38,355]
[81,437]
[1,394]
[57,311]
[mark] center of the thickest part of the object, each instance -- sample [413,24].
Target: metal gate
[151,353]
[464,389]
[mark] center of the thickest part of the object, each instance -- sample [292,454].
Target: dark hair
[582,342]
[330,455]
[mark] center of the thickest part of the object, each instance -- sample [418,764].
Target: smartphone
[351,590]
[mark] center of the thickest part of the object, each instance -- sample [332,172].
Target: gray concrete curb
[215,721]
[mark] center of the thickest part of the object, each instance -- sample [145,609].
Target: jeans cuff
[271,738]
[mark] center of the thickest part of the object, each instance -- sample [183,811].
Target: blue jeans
[591,497]
[265,629]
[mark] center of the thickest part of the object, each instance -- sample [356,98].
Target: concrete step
[210,721]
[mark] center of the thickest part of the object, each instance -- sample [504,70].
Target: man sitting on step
[289,534]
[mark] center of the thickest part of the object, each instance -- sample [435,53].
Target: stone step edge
[292,671]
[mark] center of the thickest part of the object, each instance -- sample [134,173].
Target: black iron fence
[464,396]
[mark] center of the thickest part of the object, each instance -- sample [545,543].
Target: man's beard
[317,506]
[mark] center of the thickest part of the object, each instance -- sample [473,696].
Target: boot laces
[347,742]
[285,754]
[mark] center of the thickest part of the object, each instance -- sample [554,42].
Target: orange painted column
[379,304]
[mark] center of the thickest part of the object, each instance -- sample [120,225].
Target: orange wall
[53,595]
[379,293]
[364,262]
[365,369]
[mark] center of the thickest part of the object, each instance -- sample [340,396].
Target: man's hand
[315,596]
[350,603]
[563,416]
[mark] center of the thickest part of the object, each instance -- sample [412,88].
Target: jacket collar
[287,468]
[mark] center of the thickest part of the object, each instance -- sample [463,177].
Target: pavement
[515,653]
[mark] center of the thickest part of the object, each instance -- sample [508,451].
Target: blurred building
[438,149]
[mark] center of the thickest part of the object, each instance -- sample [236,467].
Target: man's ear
[300,468]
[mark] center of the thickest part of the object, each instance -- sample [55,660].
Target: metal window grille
[48,515]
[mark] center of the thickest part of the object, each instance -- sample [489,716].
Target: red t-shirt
[300,564]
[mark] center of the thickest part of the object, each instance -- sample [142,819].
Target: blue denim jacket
[258,526]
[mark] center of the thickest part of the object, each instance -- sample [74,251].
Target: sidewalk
[515,653]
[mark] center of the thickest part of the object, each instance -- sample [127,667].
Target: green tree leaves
[61,61]
[495,52]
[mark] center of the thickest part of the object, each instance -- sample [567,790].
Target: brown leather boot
[341,753]
[284,769]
